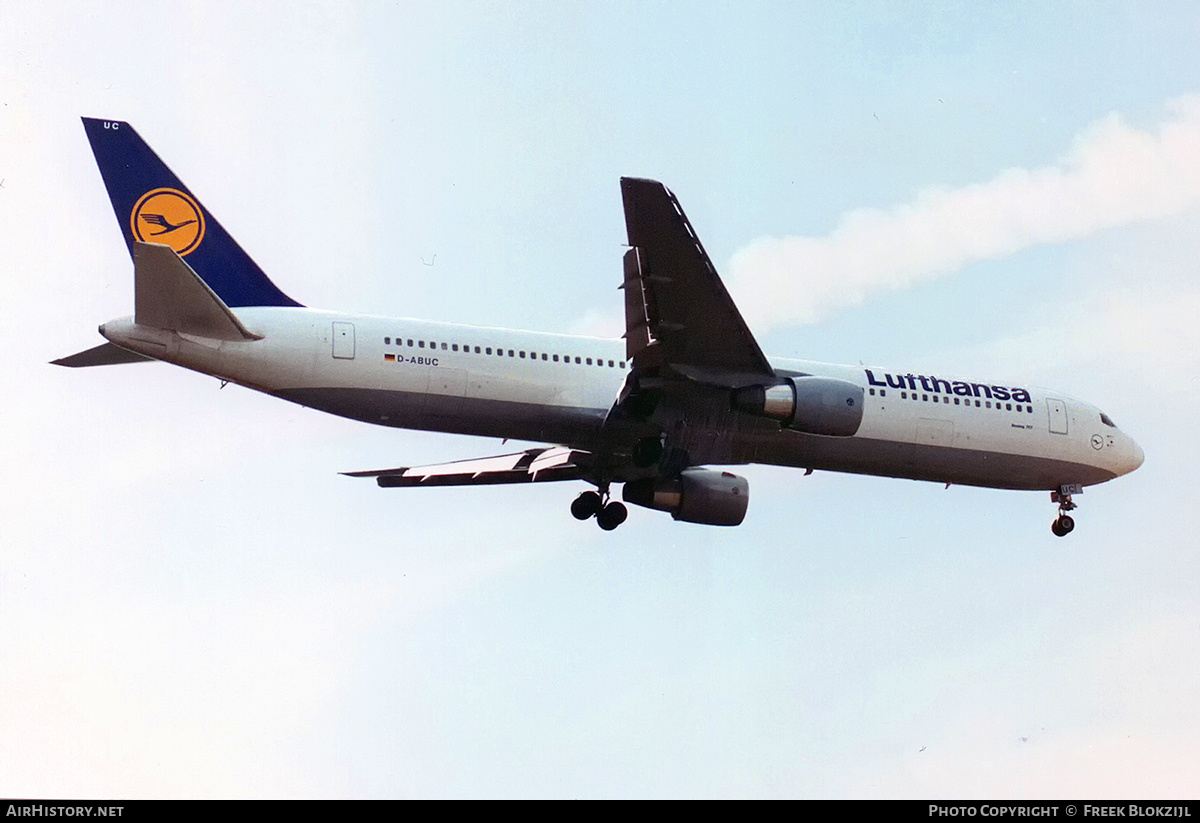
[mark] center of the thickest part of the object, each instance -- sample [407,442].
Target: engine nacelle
[713,498]
[814,405]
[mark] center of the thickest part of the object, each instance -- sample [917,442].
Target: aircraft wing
[530,466]
[677,311]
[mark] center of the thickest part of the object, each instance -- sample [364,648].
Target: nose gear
[1064,524]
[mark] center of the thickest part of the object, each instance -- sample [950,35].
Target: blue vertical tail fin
[153,206]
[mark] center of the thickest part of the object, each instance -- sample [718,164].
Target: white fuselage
[560,388]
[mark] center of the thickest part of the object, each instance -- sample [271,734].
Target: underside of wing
[677,311]
[531,466]
[690,350]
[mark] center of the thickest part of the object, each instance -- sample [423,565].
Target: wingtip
[375,473]
[634,181]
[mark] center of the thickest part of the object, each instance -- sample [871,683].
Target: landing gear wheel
[611,516]
[586,505]
[1063,526]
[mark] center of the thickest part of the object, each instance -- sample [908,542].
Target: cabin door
[343,341]
[1058,416]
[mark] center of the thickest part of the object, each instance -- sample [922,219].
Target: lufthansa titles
[936,385]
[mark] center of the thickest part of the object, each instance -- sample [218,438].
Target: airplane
[685,390]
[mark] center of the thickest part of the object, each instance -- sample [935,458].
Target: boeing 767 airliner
[686,388]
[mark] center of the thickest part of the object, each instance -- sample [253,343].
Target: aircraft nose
[1136,456]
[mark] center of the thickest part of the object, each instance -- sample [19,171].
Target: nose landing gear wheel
[1063,525]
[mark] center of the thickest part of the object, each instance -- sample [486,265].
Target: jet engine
[814,405]
[714,498]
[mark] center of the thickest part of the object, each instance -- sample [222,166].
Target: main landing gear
[608,513]
[1064,524]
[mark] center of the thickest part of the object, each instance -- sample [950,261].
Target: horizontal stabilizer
[106,354]
[531,466]
[168,294]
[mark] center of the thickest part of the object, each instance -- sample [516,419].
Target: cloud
[1141,343]
[1113,175]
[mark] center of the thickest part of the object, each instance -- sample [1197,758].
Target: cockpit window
[1106,420]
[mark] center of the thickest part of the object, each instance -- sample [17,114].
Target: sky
[194,603]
